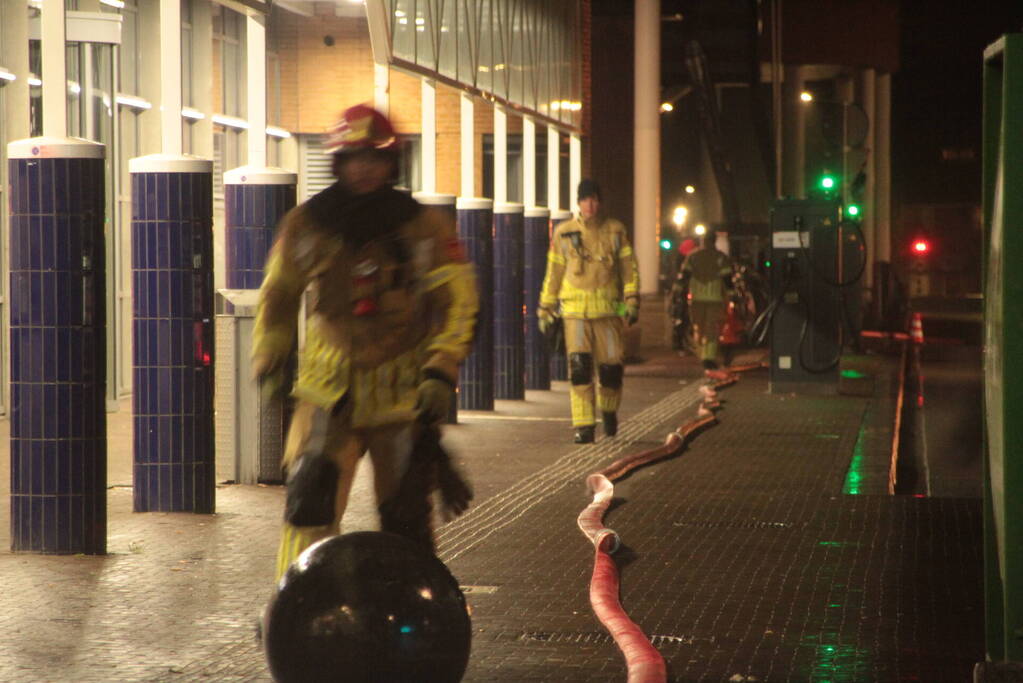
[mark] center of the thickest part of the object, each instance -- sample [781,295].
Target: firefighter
[592,282]
[707,273]
[390,314]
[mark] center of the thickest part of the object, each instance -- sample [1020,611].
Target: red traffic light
[921,247]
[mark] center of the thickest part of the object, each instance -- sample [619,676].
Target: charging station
[805,276]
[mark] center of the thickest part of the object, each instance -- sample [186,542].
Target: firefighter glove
[632,312]
[433,399]
[545,320]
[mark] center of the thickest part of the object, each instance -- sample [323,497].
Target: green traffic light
[853,210]
[767,264]
[665,244]
[828,182]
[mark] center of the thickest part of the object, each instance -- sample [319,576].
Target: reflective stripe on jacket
[706,267]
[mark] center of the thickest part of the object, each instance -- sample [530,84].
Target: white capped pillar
[647,136]
[528,161]
[428,148]
[382,89]
[553,169]
[500,155]
[54,36]
[256,86]
[170,77]
[468,166]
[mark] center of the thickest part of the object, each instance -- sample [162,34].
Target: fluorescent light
[32,80]
[277,132]
[134,102]
[113,3]
[6,76]
[193,114]
[74,87]
[230,121]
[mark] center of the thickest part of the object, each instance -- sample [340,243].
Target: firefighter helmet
[360,127]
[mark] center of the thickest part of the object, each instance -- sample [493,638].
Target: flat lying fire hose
[644,663]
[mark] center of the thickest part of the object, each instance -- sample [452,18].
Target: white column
[647,135]
[553,169]
[500,155]
[575,167]
[528,161]
[54,69]
[468,147]
[865,158]
[255,38]
[882,167]
[428,146]
[382,88]
[170,77]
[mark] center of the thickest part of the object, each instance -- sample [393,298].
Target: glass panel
[404,36]
[424,36]
[73,64]
[484,68]
[467,37]
[515,52]
[448,38]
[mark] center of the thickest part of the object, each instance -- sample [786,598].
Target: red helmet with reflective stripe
[360,127]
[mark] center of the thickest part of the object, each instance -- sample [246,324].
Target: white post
[468,147]
[170,77]
[528,161]
[553,169]
[882,167]
[575,167]
[500,155]
[428,148]
[54,39]
[256,81]
[382,88]
[647,136]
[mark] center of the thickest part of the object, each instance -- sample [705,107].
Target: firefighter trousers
[390,451]
[595,349]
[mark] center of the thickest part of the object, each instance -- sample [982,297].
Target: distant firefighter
[592,282]
[706,274]
[390,315]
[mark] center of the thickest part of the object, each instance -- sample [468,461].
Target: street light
[679,216]
[700,229]
[806,96]
[690,189]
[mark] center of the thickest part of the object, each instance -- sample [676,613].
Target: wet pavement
[768,550]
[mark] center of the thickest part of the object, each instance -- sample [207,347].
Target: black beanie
[587,188]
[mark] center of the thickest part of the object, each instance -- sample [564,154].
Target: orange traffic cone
[916,330]
[730,330]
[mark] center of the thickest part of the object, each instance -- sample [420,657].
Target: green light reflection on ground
[853,374]
[839,664]
[854,477]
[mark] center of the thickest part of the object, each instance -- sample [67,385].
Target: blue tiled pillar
[559,362]
[58,346]
[446,203]
[536,231]
[255,199]
[509,357]
[476,376]
[172,333]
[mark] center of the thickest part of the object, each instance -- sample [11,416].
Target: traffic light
[665,244]
[921,247]
[853,211]
[827,182]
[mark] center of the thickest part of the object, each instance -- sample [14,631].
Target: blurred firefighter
[706,275]
[592,283]
[390,315]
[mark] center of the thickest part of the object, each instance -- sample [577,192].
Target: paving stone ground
[743,557]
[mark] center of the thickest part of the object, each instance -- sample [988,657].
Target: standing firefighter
[390,316]
[707,273]
[592,275]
